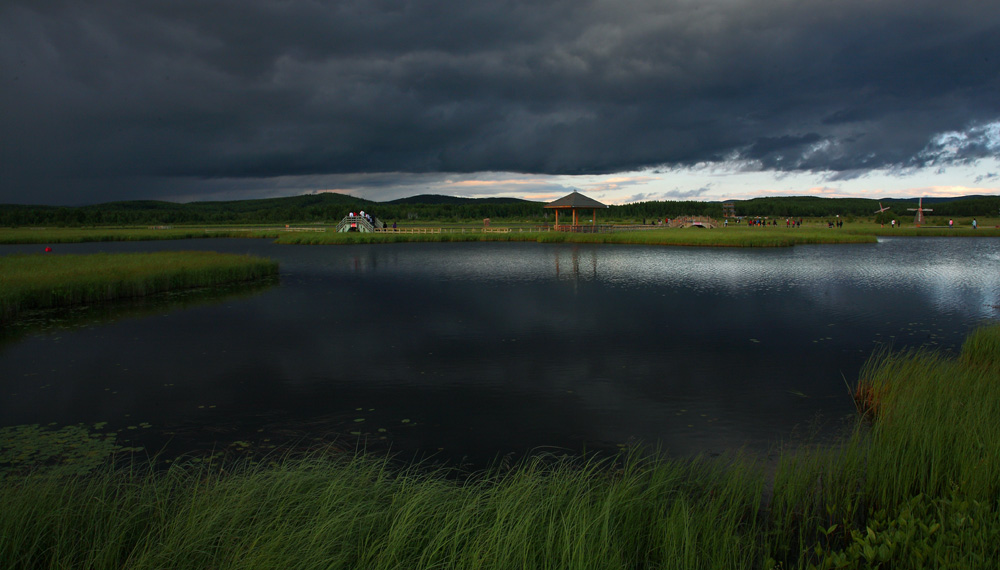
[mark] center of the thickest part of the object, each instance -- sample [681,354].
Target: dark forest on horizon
[329,208]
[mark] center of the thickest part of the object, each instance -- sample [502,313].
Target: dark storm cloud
[137,98]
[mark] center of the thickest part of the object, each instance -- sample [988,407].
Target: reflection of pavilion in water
[571,269]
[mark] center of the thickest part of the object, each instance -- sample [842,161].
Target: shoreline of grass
[687,237]
[733,236]
[38,281]
[916,485]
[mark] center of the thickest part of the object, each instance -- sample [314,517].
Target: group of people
[362,214]
[763,222]
[951,223]
[371,219]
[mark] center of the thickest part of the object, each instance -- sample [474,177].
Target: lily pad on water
[65,451]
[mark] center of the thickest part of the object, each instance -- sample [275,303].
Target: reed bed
[916,485]
[935,427]
[39,281]
[81,235]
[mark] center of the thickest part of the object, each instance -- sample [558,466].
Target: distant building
[729,209]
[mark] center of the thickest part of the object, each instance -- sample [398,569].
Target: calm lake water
[472,351]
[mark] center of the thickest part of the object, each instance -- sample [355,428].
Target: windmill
[881,209]
[920,209]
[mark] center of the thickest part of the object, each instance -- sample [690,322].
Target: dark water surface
[479,350]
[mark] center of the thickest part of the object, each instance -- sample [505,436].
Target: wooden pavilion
[575,202]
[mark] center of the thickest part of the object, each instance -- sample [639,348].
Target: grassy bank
[718,237]
[44,280]
[815,232]
[911,231]
[916,485]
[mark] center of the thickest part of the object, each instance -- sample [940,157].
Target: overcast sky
[625,100]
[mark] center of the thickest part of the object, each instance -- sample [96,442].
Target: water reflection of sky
[494,348]
[951,274]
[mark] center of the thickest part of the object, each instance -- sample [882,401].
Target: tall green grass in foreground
[916,485]
[44,280]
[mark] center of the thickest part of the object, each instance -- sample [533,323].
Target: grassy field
[40,281]
[718,237]
[812,232]
[915,485]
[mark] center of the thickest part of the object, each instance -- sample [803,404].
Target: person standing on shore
[975,224]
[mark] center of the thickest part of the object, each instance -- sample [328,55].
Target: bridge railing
[359,222]
[408,230]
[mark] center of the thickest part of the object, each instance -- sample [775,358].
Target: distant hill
[330,207]
[933,200]
[456,200]
[308,207]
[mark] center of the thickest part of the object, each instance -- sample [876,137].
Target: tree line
[330,208]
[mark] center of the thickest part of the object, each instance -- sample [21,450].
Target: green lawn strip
[38,281]
[717,237]
[732,236]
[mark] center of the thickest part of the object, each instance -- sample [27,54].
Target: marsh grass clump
[43,280]
[81,235]
[982,348]
[935,423]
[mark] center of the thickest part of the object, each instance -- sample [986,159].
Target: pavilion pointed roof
[575,200]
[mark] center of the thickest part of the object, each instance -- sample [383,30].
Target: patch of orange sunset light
[543,197]
[499,182]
